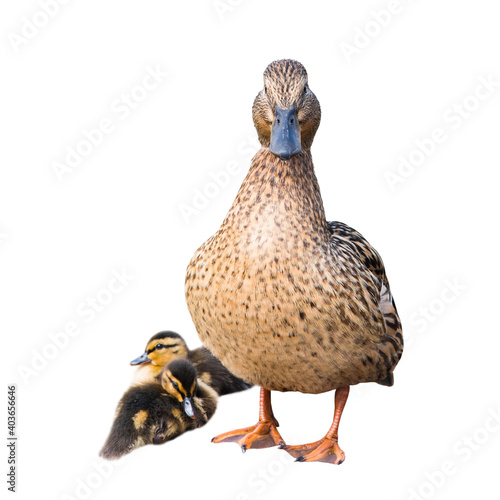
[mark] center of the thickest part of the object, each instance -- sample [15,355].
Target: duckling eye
[265,89]
[159,346]
[175,384]
[305,89]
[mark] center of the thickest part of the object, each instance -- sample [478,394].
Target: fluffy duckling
[284,298]
[167,346]
[198,399]
[153,413]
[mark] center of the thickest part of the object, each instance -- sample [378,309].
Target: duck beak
[141,359]
[285,134]
[188,407]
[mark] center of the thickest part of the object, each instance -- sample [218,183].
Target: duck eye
[305,89]
[159,346]
[265,89]
[175,384]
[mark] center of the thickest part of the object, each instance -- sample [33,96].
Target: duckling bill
[284,298]
[179,380]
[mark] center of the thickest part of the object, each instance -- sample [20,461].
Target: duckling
[285,299]
[154,413]
[198,399]
[166,346]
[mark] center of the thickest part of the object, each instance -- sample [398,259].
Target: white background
[120,208]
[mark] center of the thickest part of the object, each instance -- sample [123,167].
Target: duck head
[286,113]
[162,348]
[179,380]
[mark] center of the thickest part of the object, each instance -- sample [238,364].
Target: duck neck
[280,189]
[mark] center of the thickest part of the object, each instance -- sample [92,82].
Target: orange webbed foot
[325,450]
[264,434]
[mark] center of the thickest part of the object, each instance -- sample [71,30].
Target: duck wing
[211,371]
[205,400]
[365,256]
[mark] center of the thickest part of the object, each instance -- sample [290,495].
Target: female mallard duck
[154,413]
[283,298]
[166,346]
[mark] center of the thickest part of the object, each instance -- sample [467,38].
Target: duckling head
[286,113]
[179,380]
[162,348]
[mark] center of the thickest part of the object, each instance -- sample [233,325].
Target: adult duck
[284,298]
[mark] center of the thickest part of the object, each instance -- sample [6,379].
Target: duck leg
[264,434]
[326,449]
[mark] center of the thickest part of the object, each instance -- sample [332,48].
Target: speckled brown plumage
[283,298]
[278,287]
